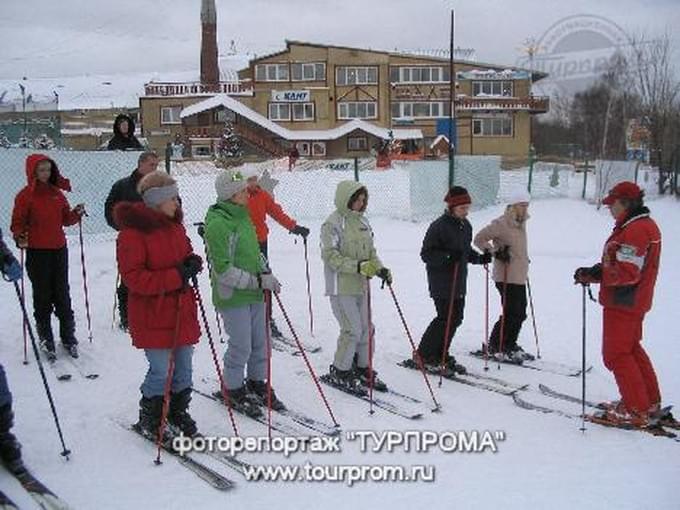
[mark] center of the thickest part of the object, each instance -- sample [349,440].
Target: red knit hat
[625,189]
[456,196]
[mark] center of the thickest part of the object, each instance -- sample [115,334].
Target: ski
[537,364]
[85,365]
[60,371]
[45,498]
[462,379]
[656,430]
[390,407]
[83,372]
[290,342]
[6,503]
[204,472]
[284,428]
[231,461]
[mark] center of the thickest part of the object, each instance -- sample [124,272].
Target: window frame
[355,138]
[367,71]
[495,127]
[407,74]
[349,104]
[179,109]
[479,85]
[317,74]
[278,107]
[407,109]
[277,66]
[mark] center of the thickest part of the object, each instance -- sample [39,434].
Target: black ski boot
[365,376]
[453,365]
[10,449]
[242,401]
[345,380]
[178,413]
[259,390]
[276,332]
[46,340]
[150,410]
[67,332]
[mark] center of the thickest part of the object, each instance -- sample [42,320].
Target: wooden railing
[536,104]
[188,88]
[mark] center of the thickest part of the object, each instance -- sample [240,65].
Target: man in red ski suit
[627,274]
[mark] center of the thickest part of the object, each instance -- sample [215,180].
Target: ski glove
[80,210]
[190,267]
[503,254]
[268,281]
[385,275]
[21,240]
[586,275]
[11,269]
[485,258]
[299,230]
[368,268]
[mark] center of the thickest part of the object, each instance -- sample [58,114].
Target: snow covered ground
[545,461]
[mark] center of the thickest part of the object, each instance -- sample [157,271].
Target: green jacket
[234,253]
[346,240]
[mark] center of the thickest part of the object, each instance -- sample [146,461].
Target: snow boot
[46,339]
[178,413]
[67,333]
[365,376]
[150,410]
[242,401]
[259,390]
[10,448]
[345,379]
[520,355]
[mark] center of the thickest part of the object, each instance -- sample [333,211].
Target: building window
[303,148]
[318,148]
[366,75]
[279,111]
[271,72]
[357,143]
[492,88]
[420,74]
[358,110]
[492,126]
[419,109]
[223,115]
[170,115]
[303,111]
[308,72]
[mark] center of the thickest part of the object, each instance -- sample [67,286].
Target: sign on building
[291,96]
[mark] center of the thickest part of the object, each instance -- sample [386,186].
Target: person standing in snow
[627,274]
[40,213]
[446,252]
[124,135]
[240,277]
[350,261]
[260,205]
[10,449]
[125,190]
[157,264]
[506,238]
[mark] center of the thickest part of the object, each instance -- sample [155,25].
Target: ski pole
[201,232]
[268,346]
[533,318]
[449,320]
[306,358]
[486,321]
[82,263]
[115,302]
[503,302]
[223,387]
[23,268]
[168,381]
[414,349]
[309,289]
[370,346]
[65,451]
[583,357]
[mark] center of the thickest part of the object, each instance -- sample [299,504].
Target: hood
[116,126]
[227,210]
[56,178]
[137,216]
[344,192]
[511,219]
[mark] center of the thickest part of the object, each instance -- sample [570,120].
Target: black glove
[586,275]
[190,267]
[503,254]
[485,258]
[453,256]
[201,229]
[299,230]
[385,275]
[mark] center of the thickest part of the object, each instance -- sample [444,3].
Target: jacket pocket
[625,295]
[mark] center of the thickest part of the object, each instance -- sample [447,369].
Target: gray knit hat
[228,183]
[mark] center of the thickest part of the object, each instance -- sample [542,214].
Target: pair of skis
[551,367]
[38,491]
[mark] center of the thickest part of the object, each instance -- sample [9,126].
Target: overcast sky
[42,38]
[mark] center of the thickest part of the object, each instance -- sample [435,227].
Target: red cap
[625,189]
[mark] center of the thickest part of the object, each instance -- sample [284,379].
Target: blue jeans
[154,382]
[246,345]
[5,395]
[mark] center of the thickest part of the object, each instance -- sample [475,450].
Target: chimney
[210,72]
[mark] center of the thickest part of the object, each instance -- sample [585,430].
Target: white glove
[268,281]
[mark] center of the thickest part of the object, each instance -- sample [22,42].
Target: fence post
[532,154]
[585,178]
[168,155]
[356,169]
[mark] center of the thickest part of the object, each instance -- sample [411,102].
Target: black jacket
[447,235]
[123,190]
[121,142]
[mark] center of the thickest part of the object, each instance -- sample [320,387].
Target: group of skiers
[158,296]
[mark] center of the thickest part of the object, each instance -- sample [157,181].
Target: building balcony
[164,89]
[533,104]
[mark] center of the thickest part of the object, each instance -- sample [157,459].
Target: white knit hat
[518,196]
[228,183]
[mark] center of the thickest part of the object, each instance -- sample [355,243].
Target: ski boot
[67,332]
[345,380]
[258,390]
[275,331]
[46,340]
[178,413]
[150,410]
[240,400]
[365,378]
[519,355]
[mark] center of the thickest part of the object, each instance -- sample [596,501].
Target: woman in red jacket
[156,262]
[40,213]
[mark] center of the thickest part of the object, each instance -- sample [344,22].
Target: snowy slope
[544,462]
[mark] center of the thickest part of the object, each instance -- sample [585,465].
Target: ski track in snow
[544,461]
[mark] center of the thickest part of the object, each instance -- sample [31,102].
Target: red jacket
[261,203]
[630,263]
[149,248]
[41,210]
